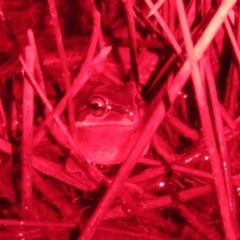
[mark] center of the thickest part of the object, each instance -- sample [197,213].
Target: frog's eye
[97,106]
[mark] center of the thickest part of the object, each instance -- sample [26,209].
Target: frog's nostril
[97,106]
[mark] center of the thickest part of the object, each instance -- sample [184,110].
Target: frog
[108,120]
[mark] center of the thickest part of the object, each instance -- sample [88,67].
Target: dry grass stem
[27,147]
[65,72]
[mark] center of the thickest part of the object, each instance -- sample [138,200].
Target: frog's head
[101,104]
[108,117]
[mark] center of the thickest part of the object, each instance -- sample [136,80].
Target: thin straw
[132,39]
[226,118]
[182,128]
[155,8]
[150,25]
[38,69]
[28,223]
[162,147]
[6,146]
[182,196]
[155,172]
[3,121]
[232,40]
[232,89]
